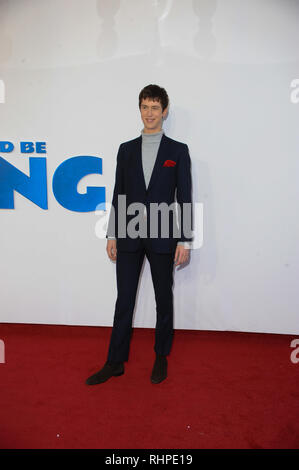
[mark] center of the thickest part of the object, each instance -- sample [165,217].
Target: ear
[165,112]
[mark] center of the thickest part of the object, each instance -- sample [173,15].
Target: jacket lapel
[158,163]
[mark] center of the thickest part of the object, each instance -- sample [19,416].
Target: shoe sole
[158,381]
[103,381]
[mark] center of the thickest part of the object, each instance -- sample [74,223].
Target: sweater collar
[155,137]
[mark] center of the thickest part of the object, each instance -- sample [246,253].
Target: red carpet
[224,390]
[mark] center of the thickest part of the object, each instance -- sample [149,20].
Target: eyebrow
[154,106]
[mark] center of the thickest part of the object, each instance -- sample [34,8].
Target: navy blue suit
[164,184]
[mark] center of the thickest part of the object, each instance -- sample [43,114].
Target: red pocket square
[169,163]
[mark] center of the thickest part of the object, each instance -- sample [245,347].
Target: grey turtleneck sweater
[149,149]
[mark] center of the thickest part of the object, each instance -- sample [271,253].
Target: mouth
[150,120]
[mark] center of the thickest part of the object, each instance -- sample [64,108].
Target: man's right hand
[111,249]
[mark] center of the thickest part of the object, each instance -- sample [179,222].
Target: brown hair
[155,93]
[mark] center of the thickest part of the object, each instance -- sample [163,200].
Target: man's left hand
[181,255]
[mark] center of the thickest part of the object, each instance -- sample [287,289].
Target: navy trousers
[128,267]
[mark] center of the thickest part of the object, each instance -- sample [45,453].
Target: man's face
[152,115]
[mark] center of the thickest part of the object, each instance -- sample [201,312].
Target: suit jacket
[165,183]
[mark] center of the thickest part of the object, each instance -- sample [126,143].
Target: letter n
[33,187]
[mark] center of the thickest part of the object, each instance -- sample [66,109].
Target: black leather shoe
[159,371]
[109,370]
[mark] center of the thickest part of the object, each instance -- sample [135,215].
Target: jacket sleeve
[118,189]
[184,196]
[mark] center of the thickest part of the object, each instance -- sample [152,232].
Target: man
[149,170]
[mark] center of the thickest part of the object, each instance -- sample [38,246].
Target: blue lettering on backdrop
[66,179]
[6,146]
[64,184]
[33,187]
[28,147]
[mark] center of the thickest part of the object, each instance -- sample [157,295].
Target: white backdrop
[72,72]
